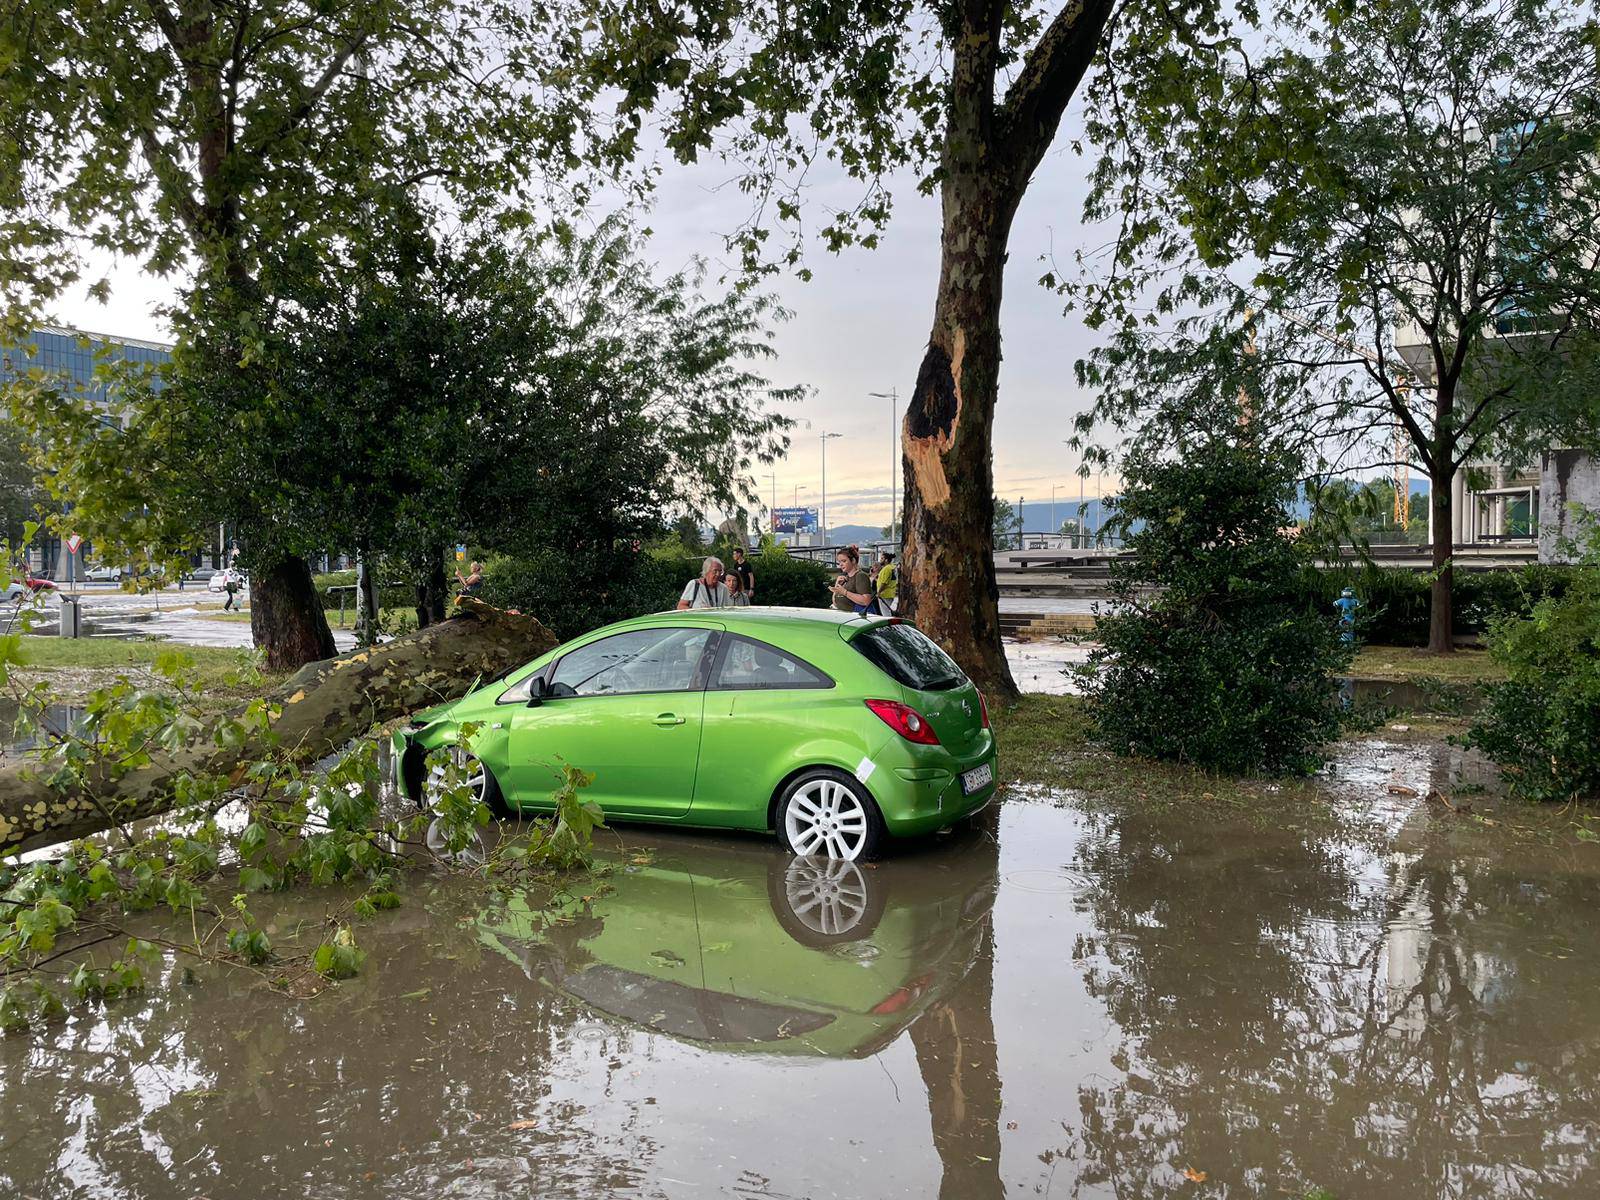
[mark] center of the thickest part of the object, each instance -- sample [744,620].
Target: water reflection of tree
[225,1085]
[1312,1009]
[957,1058]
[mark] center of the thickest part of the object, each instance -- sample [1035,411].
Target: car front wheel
[826,814]
[480,779]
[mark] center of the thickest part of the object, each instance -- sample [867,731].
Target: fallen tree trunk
[320,709]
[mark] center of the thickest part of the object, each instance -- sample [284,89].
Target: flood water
[1073,1002]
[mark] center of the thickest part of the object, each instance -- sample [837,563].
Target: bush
[783,579]
[398,595]
[573,598]
[574,594]
[1209,655]
[1395,602]
[1541,726]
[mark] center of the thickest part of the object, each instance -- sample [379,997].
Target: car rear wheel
[822,902]
[826,814]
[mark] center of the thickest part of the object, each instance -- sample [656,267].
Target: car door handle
[669,719]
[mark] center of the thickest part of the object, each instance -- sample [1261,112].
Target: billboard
[794,520]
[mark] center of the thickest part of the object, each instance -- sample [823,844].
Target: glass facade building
[72,356]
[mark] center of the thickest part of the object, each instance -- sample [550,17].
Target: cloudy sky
[859,326]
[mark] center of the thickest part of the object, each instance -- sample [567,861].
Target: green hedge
[1395,602]
[402,596]
[573,596]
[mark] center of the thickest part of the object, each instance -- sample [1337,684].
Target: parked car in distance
[202,574]
[835,730]
[103,573]
[218,582]
[29,585]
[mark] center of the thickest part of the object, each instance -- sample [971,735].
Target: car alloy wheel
[477,777]
[824,817]
[829,896]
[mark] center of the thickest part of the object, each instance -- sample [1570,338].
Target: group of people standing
[719,587]
[855,588]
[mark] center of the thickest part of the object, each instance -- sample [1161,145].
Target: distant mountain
[843,535]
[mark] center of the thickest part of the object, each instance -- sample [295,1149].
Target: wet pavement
[170,615]
[1074,1001]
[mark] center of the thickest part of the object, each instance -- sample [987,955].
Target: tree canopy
[1381,229]
[225,138]
[521,394]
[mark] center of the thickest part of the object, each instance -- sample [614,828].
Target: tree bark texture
[287,619]
[947,575]
[432,589]
[1441,601]
[321,708]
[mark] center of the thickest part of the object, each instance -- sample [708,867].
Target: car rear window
[909,657]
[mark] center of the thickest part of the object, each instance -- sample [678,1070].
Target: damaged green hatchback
[834,730]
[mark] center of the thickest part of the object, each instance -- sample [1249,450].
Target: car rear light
[901,998]
[905,720]
[983,707]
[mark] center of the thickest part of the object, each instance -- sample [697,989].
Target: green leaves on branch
[1541,726]
[339,958]
[1208,654]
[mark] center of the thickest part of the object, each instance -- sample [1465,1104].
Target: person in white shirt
[706,590]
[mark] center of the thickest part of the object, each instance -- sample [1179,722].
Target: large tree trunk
[947,576]
[1441,630]
[286,617]
[947,579]
[322,708]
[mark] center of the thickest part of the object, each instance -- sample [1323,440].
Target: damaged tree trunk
[947,576]
[320,709]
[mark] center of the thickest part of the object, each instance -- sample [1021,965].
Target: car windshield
[909,657]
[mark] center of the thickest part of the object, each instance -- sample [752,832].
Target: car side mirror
[537,691]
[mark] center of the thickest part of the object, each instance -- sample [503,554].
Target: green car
[833,729]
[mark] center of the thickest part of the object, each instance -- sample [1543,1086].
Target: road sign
[73,543]
[794,520]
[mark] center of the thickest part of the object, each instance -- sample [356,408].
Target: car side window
[747,664]
[642,660]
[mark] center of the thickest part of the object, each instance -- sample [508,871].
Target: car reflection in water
[740,948]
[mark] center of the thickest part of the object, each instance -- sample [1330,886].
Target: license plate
[978,777]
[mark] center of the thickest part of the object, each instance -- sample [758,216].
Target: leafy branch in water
[263,826]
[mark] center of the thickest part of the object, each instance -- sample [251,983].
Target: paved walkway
[170,614]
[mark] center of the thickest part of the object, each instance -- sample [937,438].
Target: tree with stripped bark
[967,94]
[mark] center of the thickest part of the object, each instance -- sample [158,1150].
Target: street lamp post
[824,437]
[893,397]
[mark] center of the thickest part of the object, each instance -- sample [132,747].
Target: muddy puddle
[1070,1002]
